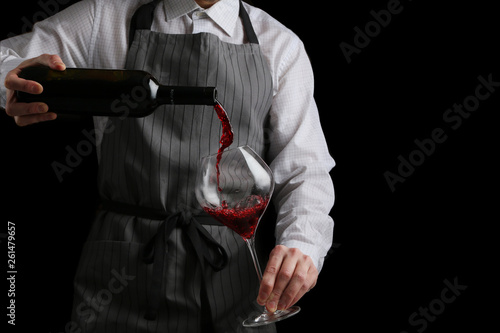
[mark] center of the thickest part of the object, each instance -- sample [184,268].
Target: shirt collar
[224,13]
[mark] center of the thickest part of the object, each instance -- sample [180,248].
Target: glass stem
[251,246]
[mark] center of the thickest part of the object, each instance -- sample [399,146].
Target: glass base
[268,317]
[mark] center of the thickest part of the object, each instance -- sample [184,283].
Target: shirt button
[199,14]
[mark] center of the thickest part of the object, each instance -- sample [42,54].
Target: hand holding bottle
[96,92]
[29,113]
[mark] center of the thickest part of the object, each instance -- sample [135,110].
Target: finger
[268,279]
[14,82]
[312,278]
[295,286]
[24,109]
[55,62]
[51,60]
[33,119]
[284,277]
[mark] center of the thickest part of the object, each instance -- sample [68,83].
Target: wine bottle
[108,92]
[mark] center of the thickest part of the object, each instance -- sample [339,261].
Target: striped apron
[153,262]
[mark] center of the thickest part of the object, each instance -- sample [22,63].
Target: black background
[394,249]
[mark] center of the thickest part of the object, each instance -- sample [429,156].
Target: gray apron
[153,262]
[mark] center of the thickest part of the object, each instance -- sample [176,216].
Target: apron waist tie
[205,246]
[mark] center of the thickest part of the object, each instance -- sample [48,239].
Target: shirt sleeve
[300,159]
[67,34]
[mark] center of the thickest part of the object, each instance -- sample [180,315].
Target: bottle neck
[182,95]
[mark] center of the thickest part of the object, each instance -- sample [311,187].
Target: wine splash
[243,220]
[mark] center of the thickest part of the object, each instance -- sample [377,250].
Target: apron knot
[187,216]
[160,238]
[206,248]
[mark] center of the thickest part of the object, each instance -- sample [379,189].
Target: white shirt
[94,33]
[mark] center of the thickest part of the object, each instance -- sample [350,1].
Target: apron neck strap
[247,25]
[142,19]
[144,15]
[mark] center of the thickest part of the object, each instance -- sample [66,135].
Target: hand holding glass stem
[246,184]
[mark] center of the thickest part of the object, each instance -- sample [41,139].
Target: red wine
[108,92]
[227,136]
[242,220]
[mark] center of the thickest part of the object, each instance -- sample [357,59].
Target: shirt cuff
[315,252]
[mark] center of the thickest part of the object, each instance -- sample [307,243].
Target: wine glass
[234,187]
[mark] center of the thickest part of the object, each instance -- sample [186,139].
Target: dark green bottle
[104,92]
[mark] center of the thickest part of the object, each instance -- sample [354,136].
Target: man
[147,165]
